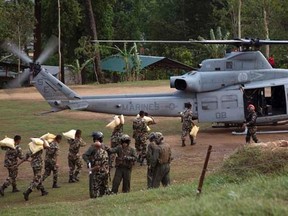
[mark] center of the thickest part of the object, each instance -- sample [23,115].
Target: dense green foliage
[149,20]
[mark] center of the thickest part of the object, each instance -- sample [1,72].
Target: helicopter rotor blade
[50,48]
[19,80]
[16,51]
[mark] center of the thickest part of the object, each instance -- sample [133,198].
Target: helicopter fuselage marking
[242,77]
[149,107]
[221,115]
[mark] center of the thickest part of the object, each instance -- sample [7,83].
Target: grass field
[223,193]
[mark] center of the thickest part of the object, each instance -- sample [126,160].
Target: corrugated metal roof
[117,63]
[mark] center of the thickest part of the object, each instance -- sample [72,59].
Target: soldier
[126,156]
[74,160]
[98,159]
[140,133]
[11,163]
[251,124]
[51,161]
[187,124]
[150,150]
[36,164]
[161,162]
[115,141]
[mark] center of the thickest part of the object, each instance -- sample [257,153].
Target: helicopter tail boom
[57,94]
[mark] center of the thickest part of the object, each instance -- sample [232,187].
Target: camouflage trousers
[37,180]
[99,184]
[149,176]
[185,132]
[141,146]
[12,175]
[161,174]
[75,165]
[251,132]
[50,166]
[125,174]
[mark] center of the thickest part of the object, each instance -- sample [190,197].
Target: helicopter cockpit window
[209,103]
[229,65]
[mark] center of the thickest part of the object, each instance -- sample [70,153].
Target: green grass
[259,196]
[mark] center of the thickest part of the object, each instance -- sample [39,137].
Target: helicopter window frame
[229,65]
[229,102]
[209,103]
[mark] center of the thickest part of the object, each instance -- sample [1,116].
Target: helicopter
[219,91]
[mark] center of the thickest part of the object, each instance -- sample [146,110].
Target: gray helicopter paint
[60,97]
[220,106]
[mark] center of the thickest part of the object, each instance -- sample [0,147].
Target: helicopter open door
[220,106]
[268,101]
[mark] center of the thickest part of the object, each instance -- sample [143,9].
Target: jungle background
[29,24]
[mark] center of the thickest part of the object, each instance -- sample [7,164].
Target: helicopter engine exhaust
[186,82]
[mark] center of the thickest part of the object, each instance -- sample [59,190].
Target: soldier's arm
[113,150]
[132,156]
[86,155]
[20,154]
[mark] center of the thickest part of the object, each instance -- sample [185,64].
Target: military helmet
[151,136]
[158,137]
[125,138]
[97,135]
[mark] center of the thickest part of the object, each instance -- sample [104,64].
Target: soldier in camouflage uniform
[115,141]
[187,124]
[161,162]
[98,158]
[51,158]
[74,160]
[36,164]
[140,133]
[251,124]
[149,156]
[11,163]
[126,156]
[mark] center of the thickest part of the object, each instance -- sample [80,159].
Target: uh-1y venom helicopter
[219,91]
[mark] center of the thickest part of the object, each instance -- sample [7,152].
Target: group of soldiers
[99,159]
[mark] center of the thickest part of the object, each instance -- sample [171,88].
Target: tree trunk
[239,18]
[266,27]
[92,24]
[37,30]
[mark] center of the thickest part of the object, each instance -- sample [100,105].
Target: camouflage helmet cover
[125,138]
[97,135]
[158,137]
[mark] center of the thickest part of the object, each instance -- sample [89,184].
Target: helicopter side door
[220,106]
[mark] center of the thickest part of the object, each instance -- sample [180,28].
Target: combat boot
[76,178]
[2,190]
[43,192]
[55,185]
[26,194]
[71,179]
[183,143]
[193,142]
[15,189]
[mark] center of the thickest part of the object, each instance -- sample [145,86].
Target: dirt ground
[222,140]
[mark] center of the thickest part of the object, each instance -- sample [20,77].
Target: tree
[216,50]
[92,25]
